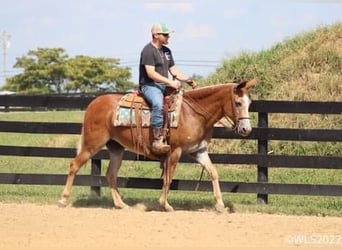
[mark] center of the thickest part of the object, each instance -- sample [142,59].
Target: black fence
[263,134]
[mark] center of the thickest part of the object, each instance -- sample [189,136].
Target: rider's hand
[191,83]
[176,84]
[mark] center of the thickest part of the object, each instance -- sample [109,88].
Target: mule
[200,110]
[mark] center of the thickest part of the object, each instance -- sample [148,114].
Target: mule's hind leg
[202,158]
[75,165]
[116,152]
[171,161]
[90,144]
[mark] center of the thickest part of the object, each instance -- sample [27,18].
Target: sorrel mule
[201,109]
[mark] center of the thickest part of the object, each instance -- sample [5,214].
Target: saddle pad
[125,117]
[130,106]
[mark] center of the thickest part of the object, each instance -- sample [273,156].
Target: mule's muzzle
[244,127]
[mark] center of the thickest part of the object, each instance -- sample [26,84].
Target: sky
[206,31]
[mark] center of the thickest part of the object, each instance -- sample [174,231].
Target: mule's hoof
[220,208]
[168,208]
[61,203]
[122,206]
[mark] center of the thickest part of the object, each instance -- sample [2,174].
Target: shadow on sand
[150,205]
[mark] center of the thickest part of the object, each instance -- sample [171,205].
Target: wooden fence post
[262,151]
[95,191]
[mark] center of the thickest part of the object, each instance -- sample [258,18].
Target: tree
[49,70]
[44,72]
[87,74]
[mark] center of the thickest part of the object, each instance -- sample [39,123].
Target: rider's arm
[181,77]
[178,74]
[154,75]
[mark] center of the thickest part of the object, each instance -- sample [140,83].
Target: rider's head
[161,33]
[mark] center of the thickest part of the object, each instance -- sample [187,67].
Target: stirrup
[160,148]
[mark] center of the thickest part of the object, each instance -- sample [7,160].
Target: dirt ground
[29,226]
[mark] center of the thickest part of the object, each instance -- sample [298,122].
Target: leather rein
[202,111]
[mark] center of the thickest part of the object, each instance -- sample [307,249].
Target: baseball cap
[161,28]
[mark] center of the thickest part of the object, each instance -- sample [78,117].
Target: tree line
[51,70]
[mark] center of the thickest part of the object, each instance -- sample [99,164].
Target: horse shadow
[141,204]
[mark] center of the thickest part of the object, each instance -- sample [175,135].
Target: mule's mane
[208,90]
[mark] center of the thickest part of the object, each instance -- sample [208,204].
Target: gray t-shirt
[161,59]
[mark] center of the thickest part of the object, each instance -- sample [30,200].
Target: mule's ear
[247,84]
[241,85]
[251,83]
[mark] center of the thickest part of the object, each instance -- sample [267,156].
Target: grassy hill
[306,67]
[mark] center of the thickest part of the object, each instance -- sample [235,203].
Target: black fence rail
[262,134]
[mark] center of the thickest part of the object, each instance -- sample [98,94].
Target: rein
[202,111]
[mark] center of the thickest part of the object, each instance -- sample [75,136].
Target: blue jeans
[154,95]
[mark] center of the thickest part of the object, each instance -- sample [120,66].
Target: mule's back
[133,111]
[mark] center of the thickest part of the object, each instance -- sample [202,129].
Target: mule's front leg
[202,158]
[167,179]
[219,206]
[163,198]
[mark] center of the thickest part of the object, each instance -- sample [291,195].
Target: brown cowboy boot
[159,147]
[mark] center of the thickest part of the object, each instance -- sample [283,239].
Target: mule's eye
[238,104]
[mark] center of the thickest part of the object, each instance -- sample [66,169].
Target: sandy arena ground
[29,226]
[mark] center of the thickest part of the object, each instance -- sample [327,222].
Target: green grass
[188,200]
[43,116]
[183,200]
[306,67]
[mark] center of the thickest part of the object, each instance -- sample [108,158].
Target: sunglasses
[166,35]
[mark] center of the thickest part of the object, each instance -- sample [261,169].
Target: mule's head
[241,102]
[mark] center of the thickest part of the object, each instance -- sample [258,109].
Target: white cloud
[235,12]
[303,19]
[153,6]
[183,7]
[198,31]
[284,21]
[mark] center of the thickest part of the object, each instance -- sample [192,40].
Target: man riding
[156,61]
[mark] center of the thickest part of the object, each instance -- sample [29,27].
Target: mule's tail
[80,142]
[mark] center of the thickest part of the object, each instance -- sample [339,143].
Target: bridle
[202,111]
[235,124]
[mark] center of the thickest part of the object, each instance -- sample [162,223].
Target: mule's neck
[212,103]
